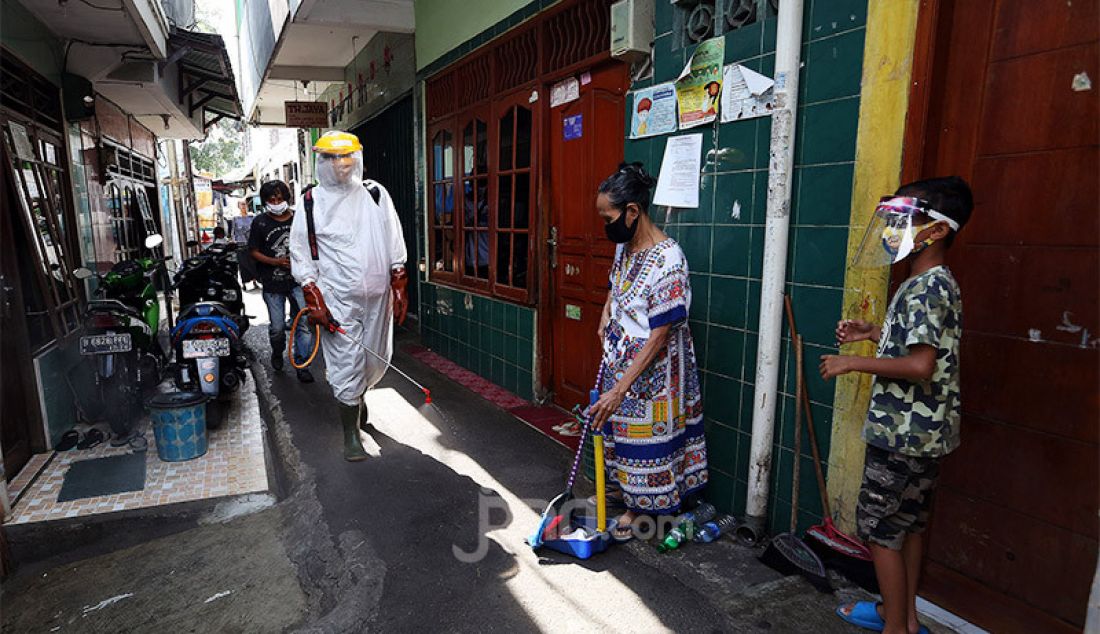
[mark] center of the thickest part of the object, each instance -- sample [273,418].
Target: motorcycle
[121,326]
[211,357]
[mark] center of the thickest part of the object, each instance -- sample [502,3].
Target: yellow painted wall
[887,72]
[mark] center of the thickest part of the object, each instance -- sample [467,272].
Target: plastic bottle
[713,530]
[686,526]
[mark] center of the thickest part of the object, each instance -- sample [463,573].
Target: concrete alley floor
[379,545]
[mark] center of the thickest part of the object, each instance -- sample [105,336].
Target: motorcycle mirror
[82,273]
[154,241]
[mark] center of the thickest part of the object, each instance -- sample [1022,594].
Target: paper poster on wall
[565,91]
[654,111]
[23,147]
[572,127]
[746,94]
[699,87]
[678,182]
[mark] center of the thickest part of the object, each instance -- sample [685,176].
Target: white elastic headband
[935,215]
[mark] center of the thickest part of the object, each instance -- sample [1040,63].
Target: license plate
[105,344]
[195,348]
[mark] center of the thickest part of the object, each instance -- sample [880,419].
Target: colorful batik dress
[655,449]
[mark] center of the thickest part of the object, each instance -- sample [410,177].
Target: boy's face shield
[891,235]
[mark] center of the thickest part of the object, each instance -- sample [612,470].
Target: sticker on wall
[564,92]
[654,111]
[572,127]
[572,311]
[586,78]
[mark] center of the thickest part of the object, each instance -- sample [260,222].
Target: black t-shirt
[271,237]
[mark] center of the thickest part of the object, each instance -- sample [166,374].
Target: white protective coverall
[359,242]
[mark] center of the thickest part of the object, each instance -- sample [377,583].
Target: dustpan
[559,528]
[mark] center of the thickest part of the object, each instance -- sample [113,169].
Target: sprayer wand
[335,326]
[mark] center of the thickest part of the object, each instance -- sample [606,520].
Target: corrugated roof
[207,76]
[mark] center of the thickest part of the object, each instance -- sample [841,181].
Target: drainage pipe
[788,48]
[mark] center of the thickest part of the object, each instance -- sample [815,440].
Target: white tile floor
[234,464]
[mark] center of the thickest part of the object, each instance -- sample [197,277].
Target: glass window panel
[448,156]
[507,123]
[449,205]
[468,149]
[504,204]
[448,250]
[470,257]
[469,203]
[504,256]
[523,199]
[519,268]
[482,147]
[437,250]
[437,157]
[440,205]
[483,202]
[523,138]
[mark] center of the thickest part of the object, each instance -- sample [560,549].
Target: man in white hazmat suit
[351,265]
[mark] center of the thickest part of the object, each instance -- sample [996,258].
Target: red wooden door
[585,146]
[1006,102]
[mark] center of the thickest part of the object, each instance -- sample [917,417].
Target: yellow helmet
[337,142]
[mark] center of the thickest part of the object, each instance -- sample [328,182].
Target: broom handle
[821,488]
[584,435]
[797,433]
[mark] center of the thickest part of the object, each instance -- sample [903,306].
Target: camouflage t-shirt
[919,419]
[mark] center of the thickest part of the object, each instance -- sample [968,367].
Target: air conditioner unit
[631,29]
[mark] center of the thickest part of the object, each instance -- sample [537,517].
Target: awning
[206,75]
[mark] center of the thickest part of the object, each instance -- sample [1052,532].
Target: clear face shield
[891,235]
[340,170]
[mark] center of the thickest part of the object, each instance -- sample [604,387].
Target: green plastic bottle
[684,532]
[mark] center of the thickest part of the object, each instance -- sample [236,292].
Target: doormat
[103,476]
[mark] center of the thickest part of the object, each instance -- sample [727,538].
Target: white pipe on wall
[788,49]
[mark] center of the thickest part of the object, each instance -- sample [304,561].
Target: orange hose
[290,342]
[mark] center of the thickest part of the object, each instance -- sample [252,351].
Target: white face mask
[276,209]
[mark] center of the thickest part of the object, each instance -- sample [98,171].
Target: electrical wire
[120,8]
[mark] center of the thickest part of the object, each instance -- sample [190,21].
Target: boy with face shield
[348,253]
[913,418]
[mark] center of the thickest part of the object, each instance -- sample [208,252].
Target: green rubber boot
[349,418]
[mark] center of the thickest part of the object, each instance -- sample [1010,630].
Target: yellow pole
[601,488]
[884,100]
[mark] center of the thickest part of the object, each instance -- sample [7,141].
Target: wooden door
[1007,97]
[585,146]
[18,416]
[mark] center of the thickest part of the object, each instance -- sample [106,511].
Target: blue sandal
[865,615]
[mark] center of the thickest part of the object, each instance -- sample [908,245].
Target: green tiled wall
[724,239]
[492,338]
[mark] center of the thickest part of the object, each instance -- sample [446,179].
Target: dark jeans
[276,327]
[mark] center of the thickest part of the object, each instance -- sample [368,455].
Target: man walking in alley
[348,253]
[268,243]
[913,420]
[240,232]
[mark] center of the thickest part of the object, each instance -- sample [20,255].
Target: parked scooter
[211,357]
[121,327]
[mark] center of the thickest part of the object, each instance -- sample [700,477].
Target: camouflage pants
[896,497]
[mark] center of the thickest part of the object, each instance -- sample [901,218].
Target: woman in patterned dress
[655,450]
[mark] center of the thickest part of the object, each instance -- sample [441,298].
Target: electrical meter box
[632,29]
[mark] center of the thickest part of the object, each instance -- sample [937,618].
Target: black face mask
[618,232]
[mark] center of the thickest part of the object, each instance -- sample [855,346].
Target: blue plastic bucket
[179,424]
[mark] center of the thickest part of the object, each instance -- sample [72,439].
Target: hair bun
[637,170]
